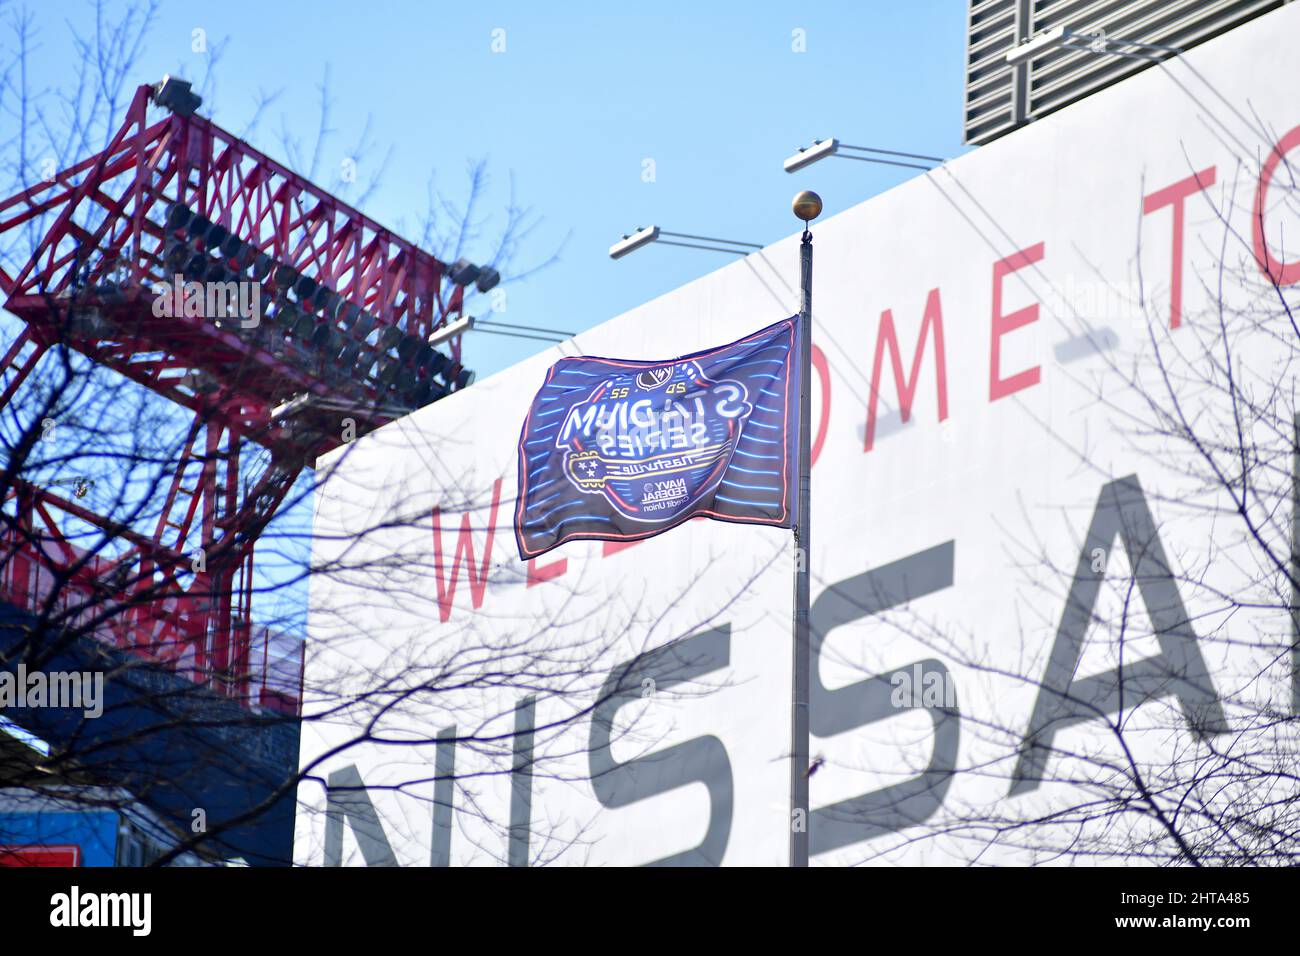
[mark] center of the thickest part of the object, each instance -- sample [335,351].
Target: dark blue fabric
[618,450]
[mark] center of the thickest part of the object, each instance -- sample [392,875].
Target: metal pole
[802,661]
[1295,568]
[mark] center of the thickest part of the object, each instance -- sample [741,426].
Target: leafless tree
[93,453]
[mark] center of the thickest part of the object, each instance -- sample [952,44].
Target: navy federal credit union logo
[620,450]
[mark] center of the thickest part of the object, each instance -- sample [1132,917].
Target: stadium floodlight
[451,330]
[643,237]
[1030,47]
[176,95]
[807,155]
[822,148]
[463,272]
[178,214]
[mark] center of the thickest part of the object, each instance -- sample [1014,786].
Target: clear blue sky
[584,93]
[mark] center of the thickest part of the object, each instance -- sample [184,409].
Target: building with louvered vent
[1001,97]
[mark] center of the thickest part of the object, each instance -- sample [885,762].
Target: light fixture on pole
[823,148]
[293,405]
[1031,47]
[522,331]
[492,327]
[1063,38]
[305,404]
[643,236]
[630,243]
[807,155]
[451,330]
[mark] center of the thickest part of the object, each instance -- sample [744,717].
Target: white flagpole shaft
[802,656]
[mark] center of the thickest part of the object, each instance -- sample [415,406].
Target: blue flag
[619,450]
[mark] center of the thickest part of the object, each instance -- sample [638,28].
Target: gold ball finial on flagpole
[807,206]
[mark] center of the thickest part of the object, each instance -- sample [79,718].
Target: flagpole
[807,206]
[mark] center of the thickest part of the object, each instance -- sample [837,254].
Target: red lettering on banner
[1176,196]
[614,547]
[478,574]
[885,336]
[547,572]
[1281,273]
[824,380]
[1000,387]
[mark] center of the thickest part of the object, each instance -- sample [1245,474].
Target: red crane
[342,332]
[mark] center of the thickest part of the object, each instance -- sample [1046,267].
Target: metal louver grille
[1000,97]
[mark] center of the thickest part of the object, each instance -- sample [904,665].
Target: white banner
[1019,358]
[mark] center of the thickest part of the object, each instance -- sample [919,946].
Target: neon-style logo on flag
[621,450]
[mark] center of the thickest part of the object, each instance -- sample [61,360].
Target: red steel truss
[347,308]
